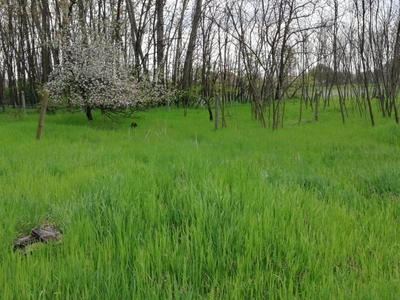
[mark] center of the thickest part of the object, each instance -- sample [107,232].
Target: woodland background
[262,52]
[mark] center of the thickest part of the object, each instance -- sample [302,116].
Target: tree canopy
[91,74]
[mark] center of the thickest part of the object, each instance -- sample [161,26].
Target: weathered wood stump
[39,234]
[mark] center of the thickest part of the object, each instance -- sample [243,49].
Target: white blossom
[92,74]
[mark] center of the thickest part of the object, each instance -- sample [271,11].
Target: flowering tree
[92,74]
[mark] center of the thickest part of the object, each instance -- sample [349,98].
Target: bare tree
[395,72]
[137,32]
[361,15]
[208,76]
[160,40]
[187,75]
[2,88]
[336,58]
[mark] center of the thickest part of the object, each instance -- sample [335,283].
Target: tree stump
[39,234]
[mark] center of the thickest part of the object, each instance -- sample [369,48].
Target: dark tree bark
[160,39]
[395,73]
[177,56]
[207,81]
[362,13]
[137,34]
[117,25]
[336,59]
[46,59]
[9,49]
[2,89]
[187,76]
[89,113]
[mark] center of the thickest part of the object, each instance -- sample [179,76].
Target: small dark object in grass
[133,125]
[43,234]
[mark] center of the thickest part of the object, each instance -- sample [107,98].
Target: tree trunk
[89,113]
[2,91]
[188,65]
[117,23]
[160,40]
[136,35]
[8,45]
[336,60]
[395,73]
[177,58]
[46,62]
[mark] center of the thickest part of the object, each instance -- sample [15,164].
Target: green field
[176,210]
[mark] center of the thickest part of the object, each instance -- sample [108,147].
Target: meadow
[174,209]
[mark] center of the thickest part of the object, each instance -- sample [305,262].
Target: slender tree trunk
[336,60]
[177,56]
[187,77]
[2,90]
[9,51]
[136,35]
[365,61]
[395,73]
[117,23]
[160,39]
[46,60]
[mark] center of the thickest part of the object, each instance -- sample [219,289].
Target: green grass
[176,210]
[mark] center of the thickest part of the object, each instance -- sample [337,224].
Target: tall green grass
[176,210]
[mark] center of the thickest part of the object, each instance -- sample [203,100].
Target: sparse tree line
[120,54]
